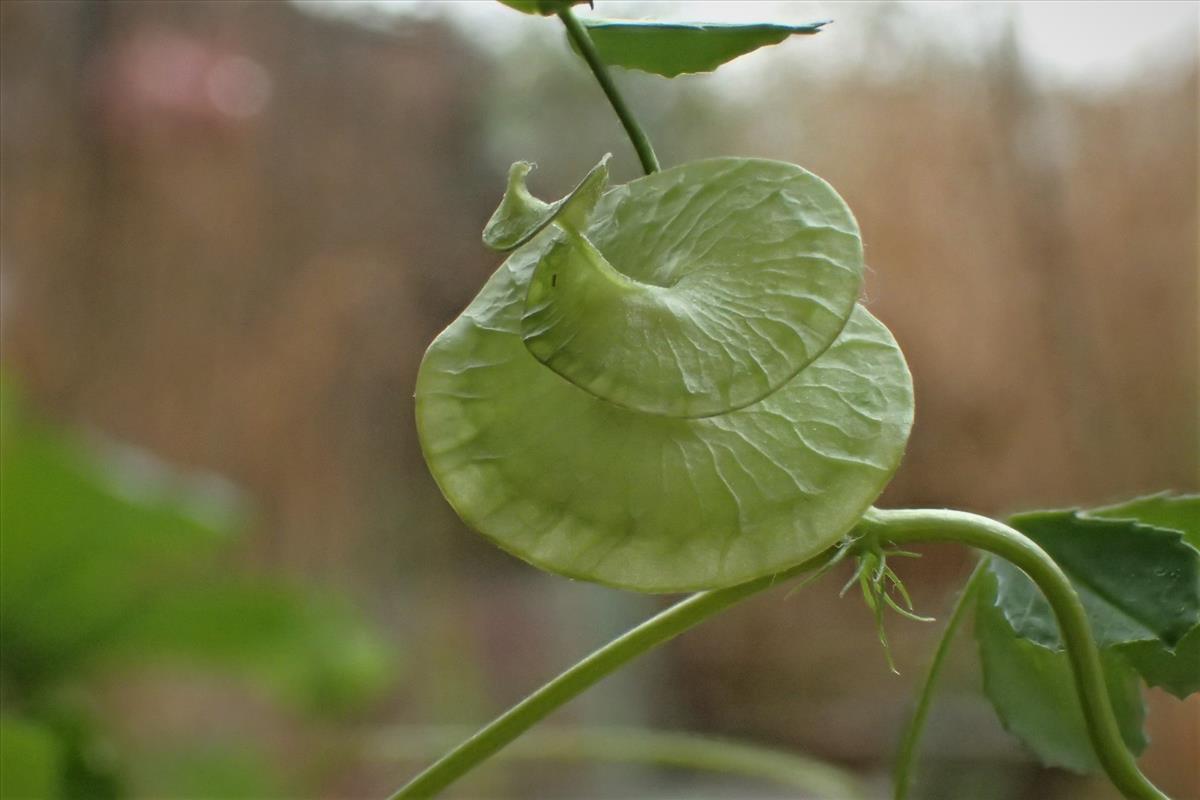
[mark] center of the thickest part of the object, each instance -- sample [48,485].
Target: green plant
[111,560]
[669,386]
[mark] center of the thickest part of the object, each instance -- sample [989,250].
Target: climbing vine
[669,385]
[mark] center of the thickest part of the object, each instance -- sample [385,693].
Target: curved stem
[896,527]
[651,633]
[907,755]
[640,746]
[903,526]
[583,42]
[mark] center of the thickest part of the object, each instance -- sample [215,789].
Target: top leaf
[677,48]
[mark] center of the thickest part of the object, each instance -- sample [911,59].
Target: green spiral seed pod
[668,386]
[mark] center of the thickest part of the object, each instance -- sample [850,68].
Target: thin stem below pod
[583,42]
[651,633]
[906,757]
[906,526]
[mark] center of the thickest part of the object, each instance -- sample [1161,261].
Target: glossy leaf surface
[675,48]
[1137,582]
[591,489]
[1033,693]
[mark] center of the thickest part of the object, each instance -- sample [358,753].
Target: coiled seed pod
[668,386]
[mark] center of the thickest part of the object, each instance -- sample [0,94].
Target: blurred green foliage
[29,759]
[110,560]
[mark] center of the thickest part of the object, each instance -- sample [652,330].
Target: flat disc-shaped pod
[699,289]
[592,490]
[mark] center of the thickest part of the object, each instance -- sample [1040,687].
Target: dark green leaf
[1137,582]
[1033,692]
[30,760]
[1178,512]
[1177,672]
[677,48]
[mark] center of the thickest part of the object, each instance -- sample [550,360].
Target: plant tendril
[877,582]
[902,774]
[894,527]
[904,526]
[842,549]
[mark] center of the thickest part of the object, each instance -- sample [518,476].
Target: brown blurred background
[231,228]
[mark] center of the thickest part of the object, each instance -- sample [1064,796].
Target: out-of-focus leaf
[1177,672]
[30,761]
[110,559]
[109,556]
[544,8]
[89,766]
[1138,583]
[91,534]
[233,771]
[1034,695]
[310,649]
[677,48]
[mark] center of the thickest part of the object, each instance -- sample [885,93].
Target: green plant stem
[583,42]
[894,527]
[905,526]
[637,746]
[651,633]
[906,757]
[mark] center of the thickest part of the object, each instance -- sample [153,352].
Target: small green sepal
[521,216]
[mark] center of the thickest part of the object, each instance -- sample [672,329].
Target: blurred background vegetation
[231,228]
